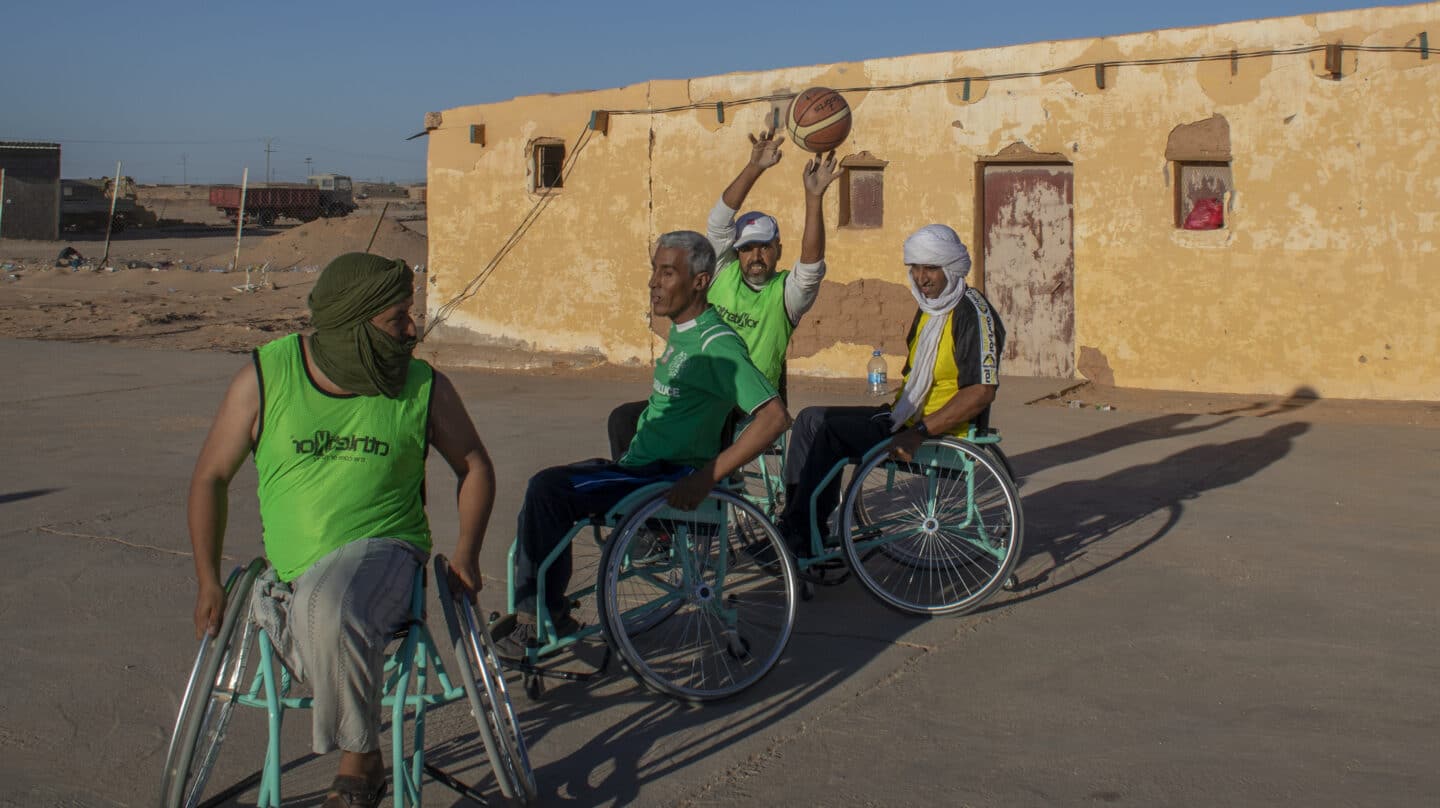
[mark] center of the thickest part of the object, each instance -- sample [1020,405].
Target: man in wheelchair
[339,422]
[762,303]
[704,374]
[951,375]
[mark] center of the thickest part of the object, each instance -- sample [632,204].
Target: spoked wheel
[712,614]
[480,671]
[935,536]
[217,680]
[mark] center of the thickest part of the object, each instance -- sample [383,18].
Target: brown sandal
[349,791]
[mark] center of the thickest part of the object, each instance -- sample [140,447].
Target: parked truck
[85,204]
[325,196]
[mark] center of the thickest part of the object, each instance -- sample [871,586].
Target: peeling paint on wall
[1328,252]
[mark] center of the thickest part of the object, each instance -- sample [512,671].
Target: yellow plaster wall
[1324,277]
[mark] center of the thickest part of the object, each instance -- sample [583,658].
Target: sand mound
[315,243]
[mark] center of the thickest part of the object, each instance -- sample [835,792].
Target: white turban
[931,245]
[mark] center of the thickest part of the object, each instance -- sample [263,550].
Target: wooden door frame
[1019,155]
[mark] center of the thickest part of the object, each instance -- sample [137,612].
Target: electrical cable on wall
[528,221]
[510,241]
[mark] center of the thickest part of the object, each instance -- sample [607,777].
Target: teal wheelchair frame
[940,534]
[219,680]
[692,601]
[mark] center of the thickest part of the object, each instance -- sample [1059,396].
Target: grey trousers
[331,626]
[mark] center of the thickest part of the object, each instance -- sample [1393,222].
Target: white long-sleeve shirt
[802,285]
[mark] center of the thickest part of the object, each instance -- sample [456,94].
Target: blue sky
[152,83]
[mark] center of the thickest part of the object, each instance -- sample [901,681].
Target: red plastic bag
[1207,214]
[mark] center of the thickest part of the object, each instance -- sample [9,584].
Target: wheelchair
[226,673]
[938,535]
[699,605]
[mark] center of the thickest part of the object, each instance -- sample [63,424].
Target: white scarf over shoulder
[931,245]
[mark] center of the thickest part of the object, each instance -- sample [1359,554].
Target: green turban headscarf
[347,347]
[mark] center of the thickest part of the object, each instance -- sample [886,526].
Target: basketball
[819,120]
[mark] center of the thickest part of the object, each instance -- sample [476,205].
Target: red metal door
[1030,265]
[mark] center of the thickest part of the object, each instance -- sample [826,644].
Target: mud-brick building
[1071,167]
[31,190]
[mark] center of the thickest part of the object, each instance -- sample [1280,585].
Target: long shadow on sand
[1074,526]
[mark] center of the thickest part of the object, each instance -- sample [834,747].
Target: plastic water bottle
[875,374]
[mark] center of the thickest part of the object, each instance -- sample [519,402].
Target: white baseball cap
[755,227]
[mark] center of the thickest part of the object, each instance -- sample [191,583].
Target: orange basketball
[819,120]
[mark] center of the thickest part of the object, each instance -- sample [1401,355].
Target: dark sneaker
[512,637]
[565,625]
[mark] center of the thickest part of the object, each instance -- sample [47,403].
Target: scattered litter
[1104,407]
[1074,403]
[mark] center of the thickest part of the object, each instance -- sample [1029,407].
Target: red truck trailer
[265,204]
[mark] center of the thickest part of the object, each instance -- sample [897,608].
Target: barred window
[547,159]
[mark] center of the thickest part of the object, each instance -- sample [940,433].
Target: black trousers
[555,500]
[820,438]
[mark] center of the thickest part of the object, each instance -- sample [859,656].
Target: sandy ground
[1215,610]
[1225,600]
[175,289]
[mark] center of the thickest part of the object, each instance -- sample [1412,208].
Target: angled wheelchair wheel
[479,669]
[1000,457]
[217,679]
[939,535]
[707,614]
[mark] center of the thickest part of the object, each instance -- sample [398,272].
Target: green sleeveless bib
[758,317]
[334,469]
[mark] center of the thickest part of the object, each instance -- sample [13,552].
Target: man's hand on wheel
[465,576]
[209,610]
[905,444]
[690,491]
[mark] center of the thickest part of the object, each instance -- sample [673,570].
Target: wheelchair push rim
[214,686]
[482,675]
[710,616]
[936,536]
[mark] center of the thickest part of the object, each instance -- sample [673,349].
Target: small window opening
[862,191]
[549,158]
[1201,190]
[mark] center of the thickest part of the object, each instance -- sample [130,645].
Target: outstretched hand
[820,172]
[765,149]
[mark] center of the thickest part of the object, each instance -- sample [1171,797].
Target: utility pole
[184,170]
[268,141]
[308,172]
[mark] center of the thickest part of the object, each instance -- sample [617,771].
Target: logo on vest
[737,319]
[328,443]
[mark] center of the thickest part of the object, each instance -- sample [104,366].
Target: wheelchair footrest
[568,674]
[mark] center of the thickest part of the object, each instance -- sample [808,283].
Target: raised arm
[453,434]
[764,153]
[803,284]
[232,436]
